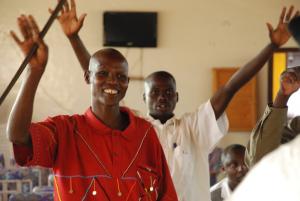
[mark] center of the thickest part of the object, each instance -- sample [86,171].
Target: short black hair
[160,74]
[234,148]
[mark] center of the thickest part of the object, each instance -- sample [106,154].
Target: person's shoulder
[217,185]
[203,107]
[216,194]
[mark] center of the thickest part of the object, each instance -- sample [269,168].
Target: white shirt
[225,189]
[186,143]
[275,178]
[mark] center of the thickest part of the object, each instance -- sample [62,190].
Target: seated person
[105,154]
[235,169]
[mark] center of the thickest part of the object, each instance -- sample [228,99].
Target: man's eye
[122,77]
[233,165]
[168,92]
[101,73]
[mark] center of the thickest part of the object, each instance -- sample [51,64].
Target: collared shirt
[94,162]
[221,190]
[266,135]
[276,177]
[186,143]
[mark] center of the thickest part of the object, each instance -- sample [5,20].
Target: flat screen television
[130,29]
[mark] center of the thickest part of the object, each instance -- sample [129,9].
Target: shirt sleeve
[266,135]
[205,128]
[44,145]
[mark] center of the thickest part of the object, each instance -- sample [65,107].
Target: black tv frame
[129,29]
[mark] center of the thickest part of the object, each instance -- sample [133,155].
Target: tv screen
[130,29]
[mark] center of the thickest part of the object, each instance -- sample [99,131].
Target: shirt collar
[226,191]
[156,122]
[129,133]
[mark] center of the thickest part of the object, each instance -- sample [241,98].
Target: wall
[194,36]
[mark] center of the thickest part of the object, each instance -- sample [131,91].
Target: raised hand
[280,35]
[289,82]
[30,32]
[68,19]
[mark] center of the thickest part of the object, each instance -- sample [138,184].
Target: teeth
[162,106]
[110,91]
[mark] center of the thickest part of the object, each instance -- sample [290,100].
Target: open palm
[68,19]
[280,35]
[30,32]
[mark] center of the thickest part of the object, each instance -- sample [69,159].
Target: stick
[32,51]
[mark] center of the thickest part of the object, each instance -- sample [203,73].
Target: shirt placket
[117,166]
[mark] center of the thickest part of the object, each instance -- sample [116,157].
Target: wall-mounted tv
[130,29]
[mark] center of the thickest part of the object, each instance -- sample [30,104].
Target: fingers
[66,6]
[281,18]
[15,37]
[24,27]
[289,14]
[36,32]
[73,5]
[33,24]
[34,27]
[296,14]
[81,19]
[270,28]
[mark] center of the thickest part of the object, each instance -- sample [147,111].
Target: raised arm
[267,134]
[278,37]
[21,113]
[71,26]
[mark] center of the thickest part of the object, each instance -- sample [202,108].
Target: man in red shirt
[106,153]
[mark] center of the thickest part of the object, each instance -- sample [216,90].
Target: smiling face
[160,95]
[108,76]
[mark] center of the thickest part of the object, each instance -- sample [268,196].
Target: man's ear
[87,76]
[223,169]
[177,96]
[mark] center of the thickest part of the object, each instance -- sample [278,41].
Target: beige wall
[193,37]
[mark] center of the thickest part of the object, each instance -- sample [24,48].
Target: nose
[241,167]
[162,96]
[111,79]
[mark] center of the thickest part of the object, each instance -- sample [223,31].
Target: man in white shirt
[186,141]
[235,169]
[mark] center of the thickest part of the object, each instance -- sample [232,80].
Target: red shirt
[94,162]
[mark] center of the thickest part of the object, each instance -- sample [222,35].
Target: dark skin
[235,168]
[71,26]
[21,114]
[161,97]
[289,84]
[108,74]
[108,77]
